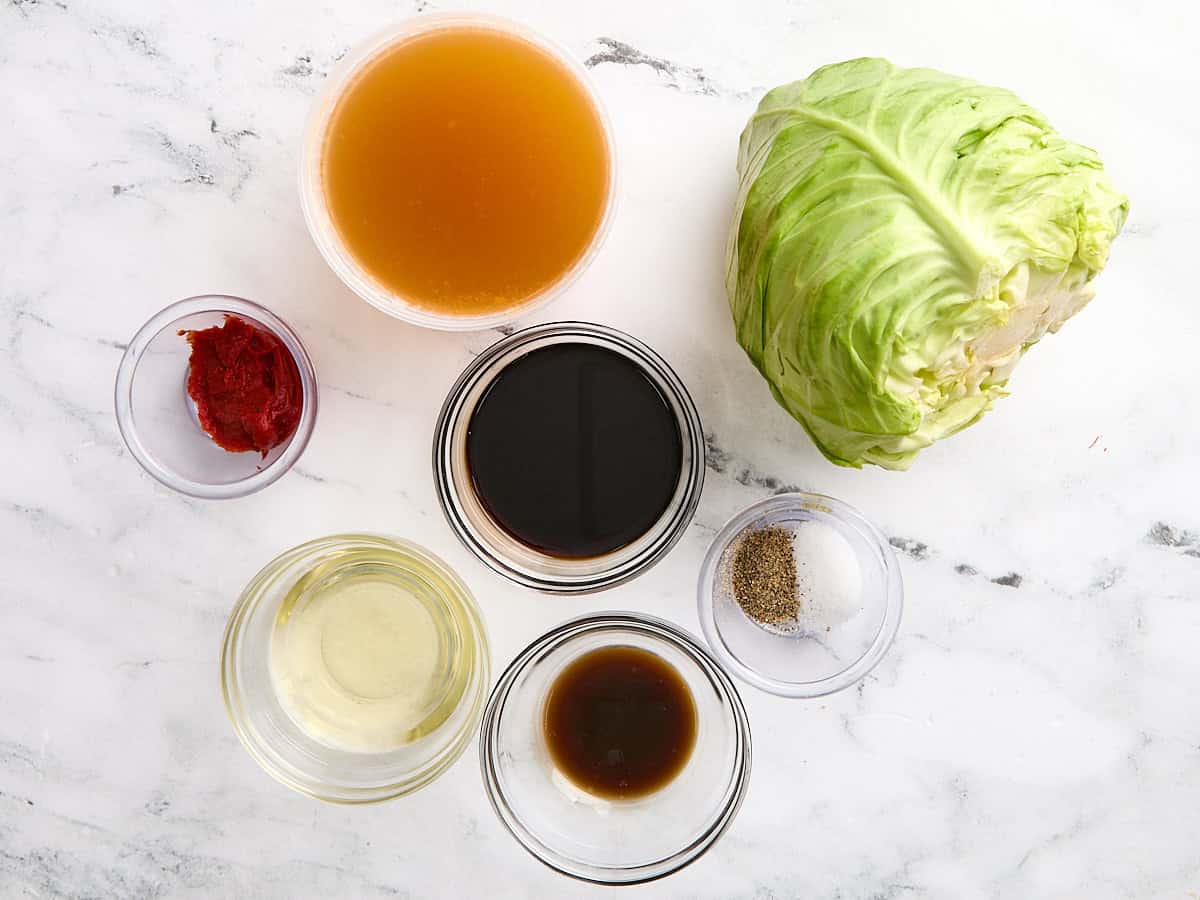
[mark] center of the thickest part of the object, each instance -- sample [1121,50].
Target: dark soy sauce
[620,722]
[574,451]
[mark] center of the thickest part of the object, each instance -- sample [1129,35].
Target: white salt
[828,577]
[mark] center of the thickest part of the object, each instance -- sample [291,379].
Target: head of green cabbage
[901,237]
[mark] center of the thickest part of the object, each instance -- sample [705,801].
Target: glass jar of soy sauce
[569,457]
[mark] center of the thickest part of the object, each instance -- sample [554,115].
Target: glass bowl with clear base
[850,598]
[492,543]
[158,419]
[599,839]
[355,667]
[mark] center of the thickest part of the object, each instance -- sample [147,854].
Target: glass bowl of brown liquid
[615,749]
[569,457]
[457,171]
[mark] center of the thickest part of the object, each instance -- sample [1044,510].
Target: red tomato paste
[245,384]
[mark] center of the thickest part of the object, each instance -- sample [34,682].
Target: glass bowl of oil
[437,192]
[355,667]
[615,748]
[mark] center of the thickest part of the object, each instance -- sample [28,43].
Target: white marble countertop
[1035,730]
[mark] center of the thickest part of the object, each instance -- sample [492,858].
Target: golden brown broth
[466,169]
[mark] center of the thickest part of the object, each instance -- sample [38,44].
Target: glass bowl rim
[893,599]
[661,630]
[127,371]
[455,743]
[316,214]
[691,434]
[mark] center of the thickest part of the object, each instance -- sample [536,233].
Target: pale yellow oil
[364,657]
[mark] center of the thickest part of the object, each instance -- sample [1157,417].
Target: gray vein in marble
[926,639]
[1168,536]
[137,663]
[919,551]
[502,330]
[9,409]
[333,333]
[719,460]
[192,158]
[309,476]
[101,436]
[716,457]
[11,753]
[224,163]
[1107,580]
[911,548]
[147,868]
[1134,756]
[133,38]
[894,889]
[22,313]
[355,395]
[1140,229]
[688,79]
[230,138]
[748,477]
[301,67]
[305,66]
[1057,837]
[35,515]
[1008,579]
[24,7]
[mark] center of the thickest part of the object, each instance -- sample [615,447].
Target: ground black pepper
[764,576]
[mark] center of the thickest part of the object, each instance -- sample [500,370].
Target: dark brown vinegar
[620,722]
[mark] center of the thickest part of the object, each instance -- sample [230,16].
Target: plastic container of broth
[509,211]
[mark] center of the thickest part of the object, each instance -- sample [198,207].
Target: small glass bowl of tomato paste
[216,397]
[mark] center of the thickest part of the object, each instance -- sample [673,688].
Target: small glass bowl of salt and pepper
[800,595]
